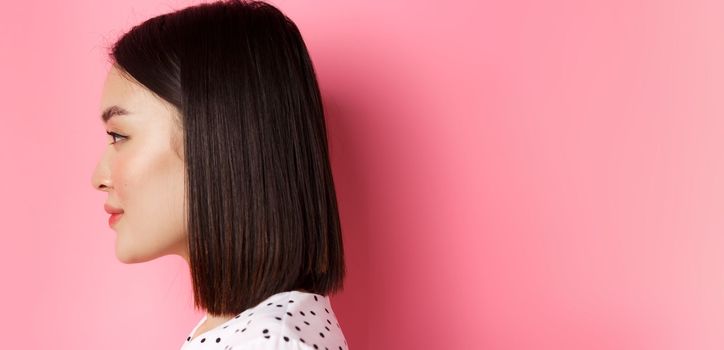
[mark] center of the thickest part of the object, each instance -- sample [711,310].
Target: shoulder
[273,343]
[290,320]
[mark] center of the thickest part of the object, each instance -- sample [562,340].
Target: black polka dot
[312,309]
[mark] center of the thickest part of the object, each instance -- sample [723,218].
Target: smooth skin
[143,174]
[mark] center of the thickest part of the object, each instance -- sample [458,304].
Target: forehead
[119,90]
[124,92]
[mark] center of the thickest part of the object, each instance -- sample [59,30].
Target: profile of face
[142,170]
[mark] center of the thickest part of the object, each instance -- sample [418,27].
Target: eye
[114,135]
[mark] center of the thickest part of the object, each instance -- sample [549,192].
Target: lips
[111,209]
[114,218]
[116,213]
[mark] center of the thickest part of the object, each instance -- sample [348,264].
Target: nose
[101,179]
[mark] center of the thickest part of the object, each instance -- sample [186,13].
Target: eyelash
[113,134]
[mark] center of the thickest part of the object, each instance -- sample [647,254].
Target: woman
[218,154]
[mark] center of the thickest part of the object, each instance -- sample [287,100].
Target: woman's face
[142,172]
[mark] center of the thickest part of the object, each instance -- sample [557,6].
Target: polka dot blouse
[287,320]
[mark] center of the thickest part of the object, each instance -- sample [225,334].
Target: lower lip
[114,218]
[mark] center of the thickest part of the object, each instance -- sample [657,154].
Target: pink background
[511,175]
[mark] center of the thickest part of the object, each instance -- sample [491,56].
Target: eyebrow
[111,112]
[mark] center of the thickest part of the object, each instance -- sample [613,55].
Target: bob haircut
[261,205]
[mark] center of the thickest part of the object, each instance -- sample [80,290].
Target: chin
[133,249]
[129,255]
[131,258]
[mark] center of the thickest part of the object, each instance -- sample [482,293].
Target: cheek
[149,185]
[119,178]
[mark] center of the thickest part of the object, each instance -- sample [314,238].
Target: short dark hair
[261,206]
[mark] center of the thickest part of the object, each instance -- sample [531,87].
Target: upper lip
[111,209]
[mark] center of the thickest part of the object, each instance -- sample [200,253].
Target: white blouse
[292,320]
